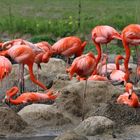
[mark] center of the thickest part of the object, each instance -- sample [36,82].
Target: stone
[41,115]
[94,125]
[10,122]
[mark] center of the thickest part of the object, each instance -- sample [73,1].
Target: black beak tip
[129,96]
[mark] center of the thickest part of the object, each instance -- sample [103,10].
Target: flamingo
[5,67]
[129,97]
[43,57]
[83,66]
[130,36]
[68,46]
[118,75]
[103,34]
[9,44]
[101,68]
[25,55]
[28,96]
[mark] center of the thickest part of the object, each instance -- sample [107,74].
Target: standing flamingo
[130,36]
[28,96]
[25,55]
[43,57]
[129,97]
[102,35]
[83,66]
[69,46]
[9,44]
[5,67]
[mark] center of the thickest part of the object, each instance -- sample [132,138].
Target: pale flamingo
[83,66]
[118,75]
[28,97]
[103,34]
[129,97]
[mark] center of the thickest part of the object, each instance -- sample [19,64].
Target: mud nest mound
[10,122]
[121,114]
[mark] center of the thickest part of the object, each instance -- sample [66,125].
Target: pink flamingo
[83,66]
[5,67]
[130,36]
[69,46]
[25,55]
[9,44]
[102,35]
[129,97]
[28,96]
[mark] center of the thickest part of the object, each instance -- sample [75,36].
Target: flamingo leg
[84,100]
[136,63]
[67,62]
[37,78]
[32,77]
[106,59]
[21,78]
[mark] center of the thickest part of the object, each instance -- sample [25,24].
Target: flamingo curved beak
[130,93]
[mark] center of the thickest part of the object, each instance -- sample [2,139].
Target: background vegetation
[52,19]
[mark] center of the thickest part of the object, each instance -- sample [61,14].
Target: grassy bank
[59,18]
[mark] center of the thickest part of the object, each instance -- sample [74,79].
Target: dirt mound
[10,122]
[121,114]
[71,101]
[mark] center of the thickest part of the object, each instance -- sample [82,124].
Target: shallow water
[30,138]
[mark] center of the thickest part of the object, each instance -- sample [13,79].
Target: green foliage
[40,38]
[59,18]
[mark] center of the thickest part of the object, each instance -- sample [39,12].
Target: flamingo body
[68,46]
[24,54]
[5,67]
[83,65]
[129,97]
[28,97]
[44,56]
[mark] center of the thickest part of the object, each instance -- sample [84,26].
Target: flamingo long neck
[127,54]
[117,59]
[134,100]
[4,53]
[98,48]
[10,93]
[32,77]
[127,57]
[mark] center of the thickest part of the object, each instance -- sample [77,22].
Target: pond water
[30,138]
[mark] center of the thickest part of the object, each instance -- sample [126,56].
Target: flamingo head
[129,89]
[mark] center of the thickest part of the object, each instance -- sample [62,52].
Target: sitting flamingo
[102,68]
[118,75]
[28,97]
[129,97]
[5,67]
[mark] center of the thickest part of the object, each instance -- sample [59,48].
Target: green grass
[59,18]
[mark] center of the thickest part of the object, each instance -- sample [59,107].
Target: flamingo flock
[86,66]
